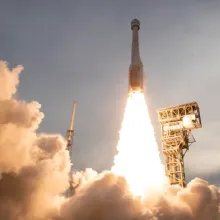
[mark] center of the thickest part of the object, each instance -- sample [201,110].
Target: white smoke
[34,174]
[34,168]
[107,197]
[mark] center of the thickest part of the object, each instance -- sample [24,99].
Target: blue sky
[80,50]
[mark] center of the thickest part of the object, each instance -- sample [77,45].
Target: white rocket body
[136,66]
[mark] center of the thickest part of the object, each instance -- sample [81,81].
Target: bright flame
[138,156]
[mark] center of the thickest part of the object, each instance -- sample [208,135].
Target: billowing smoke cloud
[108,197]
[34,175]
[34,168]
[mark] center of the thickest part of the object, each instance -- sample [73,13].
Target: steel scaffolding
[177,123]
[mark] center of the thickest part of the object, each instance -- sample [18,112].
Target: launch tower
[177,123]
[70,134]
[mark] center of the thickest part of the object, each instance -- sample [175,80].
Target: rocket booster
[136,66]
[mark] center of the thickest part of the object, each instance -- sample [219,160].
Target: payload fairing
[136,66]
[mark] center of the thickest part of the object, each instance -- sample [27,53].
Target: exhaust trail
[138,157]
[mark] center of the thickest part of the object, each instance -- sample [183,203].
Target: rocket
[136,66]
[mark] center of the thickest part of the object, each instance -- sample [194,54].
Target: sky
[80,50]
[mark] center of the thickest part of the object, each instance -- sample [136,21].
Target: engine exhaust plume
[138,156]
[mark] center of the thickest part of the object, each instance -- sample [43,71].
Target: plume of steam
[34,174]
[34,168]
[107,197]
[9,80]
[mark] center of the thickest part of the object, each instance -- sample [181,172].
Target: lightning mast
[70,134]
[177,123]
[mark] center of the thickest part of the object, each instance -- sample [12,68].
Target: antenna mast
[70,134]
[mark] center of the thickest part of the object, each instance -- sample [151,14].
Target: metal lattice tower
[70,134]
[176,125]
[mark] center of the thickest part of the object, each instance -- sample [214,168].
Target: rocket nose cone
[135,23]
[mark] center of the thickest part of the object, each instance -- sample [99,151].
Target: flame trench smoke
[34,171]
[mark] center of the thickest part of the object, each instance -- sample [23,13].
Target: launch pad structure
[177,123]
[70,134]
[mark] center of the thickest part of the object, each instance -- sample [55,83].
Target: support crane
[70,134]
[177,123]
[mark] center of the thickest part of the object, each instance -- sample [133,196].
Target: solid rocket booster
[136,66]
